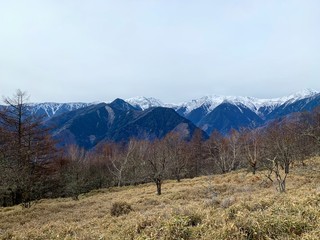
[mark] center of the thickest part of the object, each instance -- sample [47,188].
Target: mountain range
[223,113]
[118,121]
[88,124]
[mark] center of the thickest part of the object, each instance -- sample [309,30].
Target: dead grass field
[237,205]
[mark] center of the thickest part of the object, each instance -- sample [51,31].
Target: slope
[236,205]
[228,116]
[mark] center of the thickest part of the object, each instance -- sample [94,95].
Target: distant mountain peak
[118,101]
[145,102]
[304,94]
[308,92]
[50,109]
[210,102]
[122,105]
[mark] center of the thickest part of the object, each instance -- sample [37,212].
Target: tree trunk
[254,168]
[17,197]
[286,167]
[178,178]
[158,183]
[4,202]
[282,186]
[100,183]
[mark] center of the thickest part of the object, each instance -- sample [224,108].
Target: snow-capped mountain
[223,113]
[255,104]
[210,102]
[210,113]
[118,121]
[144,103]
[299,102]
[50,109]
[307,93]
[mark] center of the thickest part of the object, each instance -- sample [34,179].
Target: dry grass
[231,206]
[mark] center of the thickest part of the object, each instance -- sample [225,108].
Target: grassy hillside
[237,205]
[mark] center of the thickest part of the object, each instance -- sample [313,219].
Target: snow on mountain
[145,102]
[300,95]
[49,109]
[254,104]
[272,103]
[209,103]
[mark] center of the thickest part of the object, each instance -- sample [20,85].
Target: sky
[173,50]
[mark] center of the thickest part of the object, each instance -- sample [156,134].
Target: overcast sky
[174,50]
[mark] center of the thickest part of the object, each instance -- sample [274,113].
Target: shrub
[181,226]
[264,225]
[194,220]
[143,225]
[120,208]
[178,228]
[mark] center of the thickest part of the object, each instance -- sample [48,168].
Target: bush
[182,226]
[268,225]
[178,227]
[120,208]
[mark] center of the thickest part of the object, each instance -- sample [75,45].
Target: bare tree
[137,167]
[275,167]
[75,172]
[26,147]
[234,141]
[282,139]
[196,154]
[157,161]
[252,148]
[119,161]
[311,125]
[177,161]
[99,169]
[218,150]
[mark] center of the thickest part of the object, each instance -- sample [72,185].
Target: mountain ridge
[212,101]
[209,102]
[209,113]
[118,122]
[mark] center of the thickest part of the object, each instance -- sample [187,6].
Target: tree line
[31,167]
